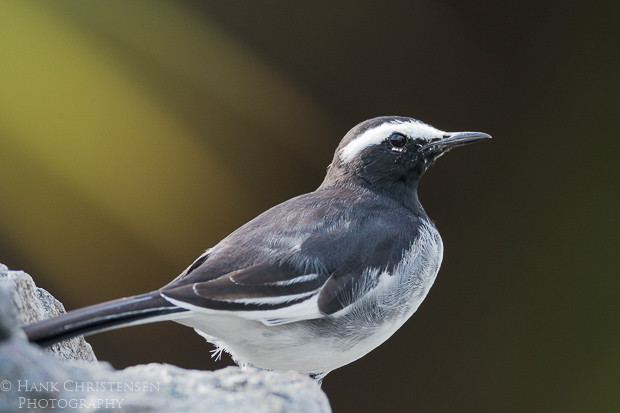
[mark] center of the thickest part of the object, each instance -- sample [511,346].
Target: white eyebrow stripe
[375,136]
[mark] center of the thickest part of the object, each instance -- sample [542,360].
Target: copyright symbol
[5,385]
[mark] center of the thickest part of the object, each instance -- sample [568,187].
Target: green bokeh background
[134,135]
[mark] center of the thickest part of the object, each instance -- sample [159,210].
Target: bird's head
[391,153]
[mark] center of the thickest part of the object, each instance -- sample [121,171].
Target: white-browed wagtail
[316,282]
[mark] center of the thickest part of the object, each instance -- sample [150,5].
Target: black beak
[453,139]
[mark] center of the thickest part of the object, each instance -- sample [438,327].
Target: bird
[313,283]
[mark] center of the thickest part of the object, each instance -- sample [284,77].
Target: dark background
[134,135]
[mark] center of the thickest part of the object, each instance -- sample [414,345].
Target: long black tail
[105,316]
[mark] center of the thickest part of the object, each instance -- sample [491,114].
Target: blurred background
[134,135]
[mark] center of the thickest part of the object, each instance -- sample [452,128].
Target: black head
[389,154]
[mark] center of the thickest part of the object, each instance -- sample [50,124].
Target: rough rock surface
[71,380]
[33,304]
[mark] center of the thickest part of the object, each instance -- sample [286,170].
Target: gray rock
[33,380]
[33,304]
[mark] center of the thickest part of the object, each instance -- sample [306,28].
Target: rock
[35,304]
[70,379]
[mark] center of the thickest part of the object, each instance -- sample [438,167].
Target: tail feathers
[113,314]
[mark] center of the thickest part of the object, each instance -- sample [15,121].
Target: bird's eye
[397,140]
